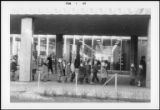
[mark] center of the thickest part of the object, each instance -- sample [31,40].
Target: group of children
[66,71]
[138,76]
[87,71]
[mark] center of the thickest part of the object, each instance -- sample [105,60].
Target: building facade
[120,39]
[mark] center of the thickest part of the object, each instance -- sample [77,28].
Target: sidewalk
[124,91]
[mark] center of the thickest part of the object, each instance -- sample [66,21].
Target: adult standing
[77,61]
[95,71]
[143,63]
[88,71]
[49,59]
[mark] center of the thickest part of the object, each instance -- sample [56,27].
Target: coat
[60,69]
[88,69]
[68,70]
[104,72]
[132,72]
[82,72]
[72,68]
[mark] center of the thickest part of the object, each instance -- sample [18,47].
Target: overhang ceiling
[125,25]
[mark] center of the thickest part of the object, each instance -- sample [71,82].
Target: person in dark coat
[13,68]
[82,73]
[143,63]
[95,71]
[88,71]
[50,64]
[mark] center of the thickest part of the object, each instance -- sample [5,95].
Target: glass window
[116,54]
[97,46]
[69,43]
[79,41]
[43,46]
[106,42]
[125,55]
[52,46]
[88,47]
[107,51]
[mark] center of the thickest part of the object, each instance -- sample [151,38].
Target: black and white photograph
[80,54]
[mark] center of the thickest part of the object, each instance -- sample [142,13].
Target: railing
[116,77]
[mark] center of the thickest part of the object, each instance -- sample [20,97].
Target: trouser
[76,73]
[86,78]
[50,68]
[12,78]
[33,74]
[95,77]
[72,76]
[80,80]
[103,80]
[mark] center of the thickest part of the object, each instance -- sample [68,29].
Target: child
[60,70]
[104,73]
[81,73]
[132,74]
[140,76]
[72,71]
[68,72]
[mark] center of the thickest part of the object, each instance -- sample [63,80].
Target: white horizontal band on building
[82,11]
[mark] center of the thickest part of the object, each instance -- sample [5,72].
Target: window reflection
[88,48]
[43,46]
[52,46]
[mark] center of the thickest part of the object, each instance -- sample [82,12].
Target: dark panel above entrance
[125,25]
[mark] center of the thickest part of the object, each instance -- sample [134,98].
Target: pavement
[124,90]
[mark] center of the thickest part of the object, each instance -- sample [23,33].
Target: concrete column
[67,52]
[148,60]
[134,51]
[64,47]
[26,49]
[74,48]
[83,46]
[59,46]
